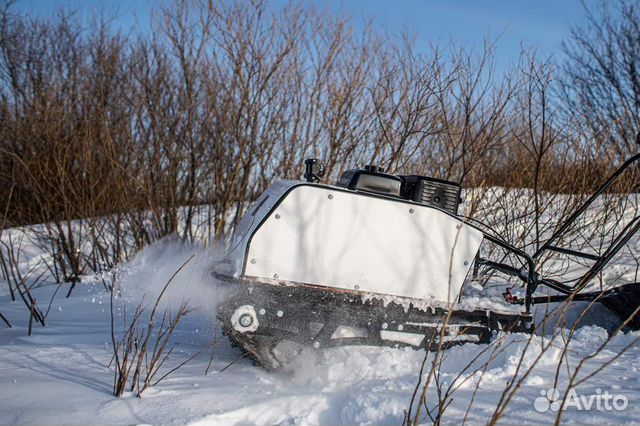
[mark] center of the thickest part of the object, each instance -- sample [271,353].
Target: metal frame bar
[573,252]
[532,279]
[567,223]
[527,275]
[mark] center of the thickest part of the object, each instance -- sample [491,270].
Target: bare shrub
[20,279]
[144,346]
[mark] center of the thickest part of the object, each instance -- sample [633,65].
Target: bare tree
[601,83]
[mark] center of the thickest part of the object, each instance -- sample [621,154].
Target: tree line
[172,132]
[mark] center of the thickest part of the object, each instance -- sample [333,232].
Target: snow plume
[143,278]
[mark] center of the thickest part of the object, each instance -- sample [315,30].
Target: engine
[425,190]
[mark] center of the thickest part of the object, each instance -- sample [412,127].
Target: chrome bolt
[246,320]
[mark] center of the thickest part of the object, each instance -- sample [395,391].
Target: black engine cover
[371,180]
[432,192]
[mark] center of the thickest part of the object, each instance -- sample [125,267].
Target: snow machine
[379,259]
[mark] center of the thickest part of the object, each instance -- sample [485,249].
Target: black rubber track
[307,316]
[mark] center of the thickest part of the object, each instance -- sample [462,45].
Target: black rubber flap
[624,302]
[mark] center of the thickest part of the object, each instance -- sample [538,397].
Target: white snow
[62,374]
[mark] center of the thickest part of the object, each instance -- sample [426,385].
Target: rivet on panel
[330,196]
[277,215]
[276,276]
[411,211]
[253,261]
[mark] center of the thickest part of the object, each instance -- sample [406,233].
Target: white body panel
[329,237]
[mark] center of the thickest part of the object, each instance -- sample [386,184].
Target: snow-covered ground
[63,374]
